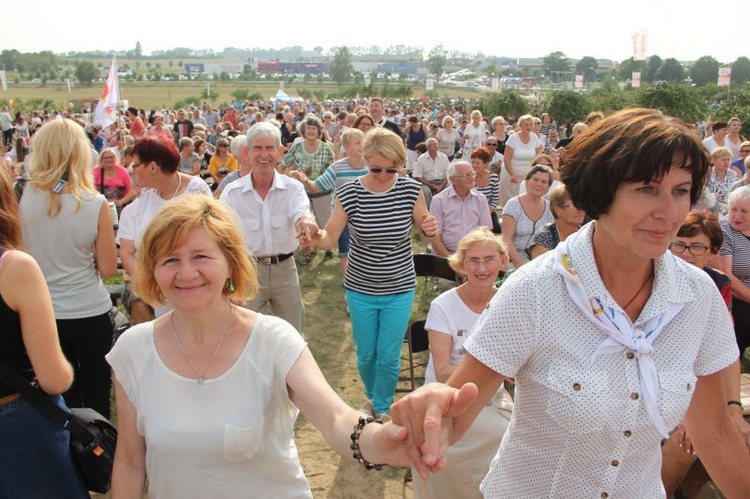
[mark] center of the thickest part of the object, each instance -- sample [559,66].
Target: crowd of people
[205,210]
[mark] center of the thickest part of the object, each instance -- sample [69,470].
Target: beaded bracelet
[735,402]
[356,453]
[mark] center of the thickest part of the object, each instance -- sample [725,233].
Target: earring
[230,286]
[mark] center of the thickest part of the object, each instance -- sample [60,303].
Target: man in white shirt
[430,169]
[274,212]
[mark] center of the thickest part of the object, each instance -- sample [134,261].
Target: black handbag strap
[37,398]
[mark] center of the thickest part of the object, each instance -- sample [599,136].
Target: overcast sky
[684,30]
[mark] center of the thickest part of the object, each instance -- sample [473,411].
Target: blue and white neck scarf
[621,333]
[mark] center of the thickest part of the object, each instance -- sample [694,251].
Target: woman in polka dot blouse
[611,339]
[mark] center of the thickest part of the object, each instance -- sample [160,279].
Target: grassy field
[165,94]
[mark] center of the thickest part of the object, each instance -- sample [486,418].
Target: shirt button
[627,433]
[576,386]
[604,495]
[689,386]
[630,355]
[634,395]
[615,463]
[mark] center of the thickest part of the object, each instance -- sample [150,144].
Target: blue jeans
[35,455]
[379,323]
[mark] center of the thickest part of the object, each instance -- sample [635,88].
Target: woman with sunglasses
[380,207]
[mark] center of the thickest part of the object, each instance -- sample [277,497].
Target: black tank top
[12,349]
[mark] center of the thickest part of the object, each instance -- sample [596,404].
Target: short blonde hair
[476,114]
[60,148]
[558,197]
[720,152]
[475,237]
[171,227]
[382,142]
[525,117]
[348,134]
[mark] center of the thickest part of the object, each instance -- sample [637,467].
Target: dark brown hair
[633,145]
[703,222]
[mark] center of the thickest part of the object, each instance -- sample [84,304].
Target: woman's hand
[429,225]
[427,414]
[297,175]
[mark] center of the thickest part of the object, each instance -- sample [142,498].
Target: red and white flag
[725,76]
[106,110]
[639,45]
[579,81]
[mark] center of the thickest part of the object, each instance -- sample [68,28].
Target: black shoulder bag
[92,436]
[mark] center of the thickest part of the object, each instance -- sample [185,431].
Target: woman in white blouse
[611,339]
[520,150]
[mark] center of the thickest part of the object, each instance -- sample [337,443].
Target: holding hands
[427,414]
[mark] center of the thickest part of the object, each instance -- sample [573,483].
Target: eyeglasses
[679,248]
[474,263]
[745,151]
[389,171]
[491,144]
[470,175]
[136,165]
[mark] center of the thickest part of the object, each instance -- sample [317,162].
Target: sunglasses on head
[377,169]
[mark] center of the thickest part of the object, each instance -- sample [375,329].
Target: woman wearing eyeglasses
[698,242]
[156,164]
[480,256]
[380,207]
[568,219]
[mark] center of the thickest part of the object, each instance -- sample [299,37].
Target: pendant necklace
[201,378]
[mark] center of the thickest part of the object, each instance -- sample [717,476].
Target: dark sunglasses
[377,169]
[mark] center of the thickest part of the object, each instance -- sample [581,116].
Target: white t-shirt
[523,154]
[232,436]
[579,426]
[449,315]
[136,216]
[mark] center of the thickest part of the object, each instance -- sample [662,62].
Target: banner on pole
[639,39]
[636,79]
[725,76]
[106,110]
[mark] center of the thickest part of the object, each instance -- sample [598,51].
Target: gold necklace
[201,378]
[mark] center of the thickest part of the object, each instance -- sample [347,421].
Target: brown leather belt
[9,398]
[273,260]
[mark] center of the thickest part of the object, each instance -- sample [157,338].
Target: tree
[491,70]
[681,101]
[566,106]
[671,70]
[627,68]
[341,67]
[587,67]
[741,71]
[86,72]
[651,68]
[705,70]
[506,103]
[556,63]
[436,60]
[138,50]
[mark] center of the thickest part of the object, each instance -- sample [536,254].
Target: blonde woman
[67,228]
[480,256]
[474,134]
[520,150]
[722,177]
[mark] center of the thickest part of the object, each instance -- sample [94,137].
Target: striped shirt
[736,245]
[491,191]
[380,256]
[338,174]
